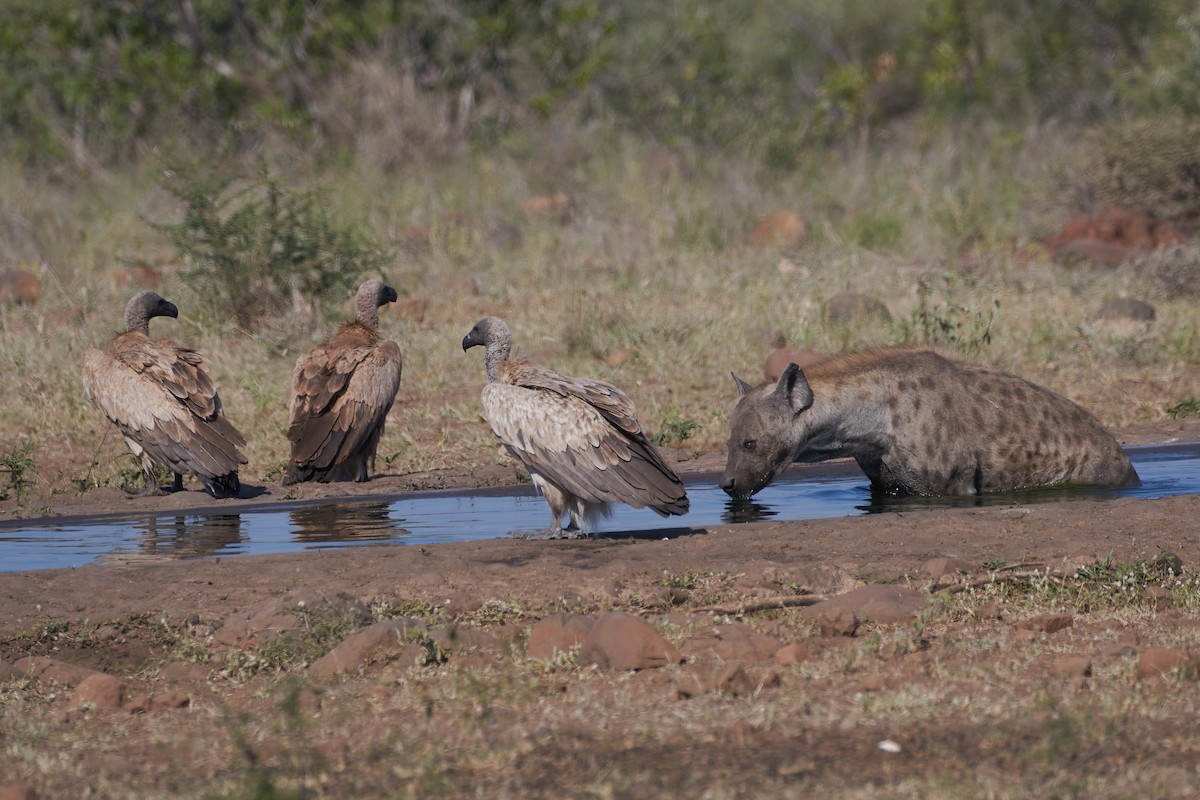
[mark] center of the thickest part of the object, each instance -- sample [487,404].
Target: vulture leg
[177,486]
[557,501]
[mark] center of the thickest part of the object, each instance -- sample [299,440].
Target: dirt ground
[1010,651]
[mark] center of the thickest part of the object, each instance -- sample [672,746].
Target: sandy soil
[965,655]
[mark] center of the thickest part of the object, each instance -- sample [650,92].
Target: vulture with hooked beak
[161,397]
[342,391]
[577,437]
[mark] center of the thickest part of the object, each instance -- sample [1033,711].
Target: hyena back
[918,422]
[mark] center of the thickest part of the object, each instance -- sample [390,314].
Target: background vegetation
[591,171]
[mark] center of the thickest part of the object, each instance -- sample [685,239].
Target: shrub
[1174,272]
[1150,164]
[252,247]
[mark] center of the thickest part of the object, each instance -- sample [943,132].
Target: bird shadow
[654,534]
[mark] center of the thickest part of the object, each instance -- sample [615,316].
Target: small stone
[1047,623]
[947,566]
[1071,667]
[791,655]
[988,611]
[676,595]
[622,642]
[847,308]
[1157,661]
[99,691]
[781,229]
[873,683]
[1126,308]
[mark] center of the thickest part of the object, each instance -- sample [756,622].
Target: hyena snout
[737,489]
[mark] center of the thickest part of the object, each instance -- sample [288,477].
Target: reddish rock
[548,205]
[730,679]
[158,702]
[838,622]
[791,655]
[875,682]
[1047,623]
[782,229]
[19,287]
[18,791]
[557,634]
[308,702]
[185,672]
[847,308]
[618,356]
[99,691]
[1071,667]
[622,642]
[1102,253]
[382,639]
[266,622]
[729,643]
[1119,228]
[1156,661]
[878,602]
[778,360]
[41,668]
[1161,595]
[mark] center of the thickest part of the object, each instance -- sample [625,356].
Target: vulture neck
[496,357]
[368,310]
[137,321]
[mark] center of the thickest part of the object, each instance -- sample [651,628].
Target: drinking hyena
[919,423]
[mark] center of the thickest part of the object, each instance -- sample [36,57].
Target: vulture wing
[340,399]
[161,397]
[582,435]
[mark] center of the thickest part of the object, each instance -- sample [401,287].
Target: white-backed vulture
[160,396]
[342,391]
[577,437]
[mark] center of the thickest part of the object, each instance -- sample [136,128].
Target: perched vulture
[342,391]
[577,437]
[160,396]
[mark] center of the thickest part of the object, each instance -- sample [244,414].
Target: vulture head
[144,305]
[371,295]
[493,334]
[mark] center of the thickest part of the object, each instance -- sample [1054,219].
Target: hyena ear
[793,389]
[741,385]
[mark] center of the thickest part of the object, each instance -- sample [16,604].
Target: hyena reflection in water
[918,422]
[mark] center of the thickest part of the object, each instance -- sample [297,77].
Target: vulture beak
[389,295]
[471,339]
[168,309]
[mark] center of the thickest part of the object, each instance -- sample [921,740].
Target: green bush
[252,248]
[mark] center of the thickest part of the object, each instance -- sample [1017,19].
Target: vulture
[577,437]
[160,396]
[342,391]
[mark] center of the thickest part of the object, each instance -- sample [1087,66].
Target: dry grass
[650,260]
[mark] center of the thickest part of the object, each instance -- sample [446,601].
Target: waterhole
[804,492]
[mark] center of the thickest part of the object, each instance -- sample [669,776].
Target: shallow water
[804,492]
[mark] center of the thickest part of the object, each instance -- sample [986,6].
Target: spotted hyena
[919,423]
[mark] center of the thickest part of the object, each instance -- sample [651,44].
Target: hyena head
[764,432]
